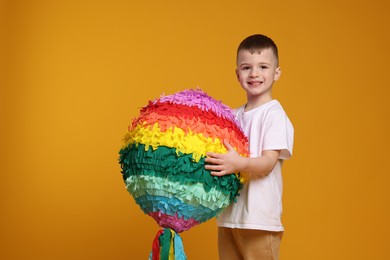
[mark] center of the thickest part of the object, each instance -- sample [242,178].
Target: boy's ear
[238,76]
[278,72]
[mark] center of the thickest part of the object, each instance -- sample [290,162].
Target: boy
[251,228]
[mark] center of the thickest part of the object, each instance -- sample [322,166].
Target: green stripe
[166,163]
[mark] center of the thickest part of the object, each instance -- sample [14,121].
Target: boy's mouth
[255,83]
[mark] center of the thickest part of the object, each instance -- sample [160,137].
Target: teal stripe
[193,194]
[172,206]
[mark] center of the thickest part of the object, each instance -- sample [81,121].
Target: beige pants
[248,244]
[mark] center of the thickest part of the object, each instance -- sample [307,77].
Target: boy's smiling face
[256,73]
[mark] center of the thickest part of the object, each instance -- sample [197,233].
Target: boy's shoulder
[273,113]
[276,110]
[271,107]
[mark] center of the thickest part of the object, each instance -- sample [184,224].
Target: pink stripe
[200,99]
[173,222]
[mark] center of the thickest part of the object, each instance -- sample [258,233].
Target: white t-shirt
[259,205]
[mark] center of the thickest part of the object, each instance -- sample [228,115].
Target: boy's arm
[230,162]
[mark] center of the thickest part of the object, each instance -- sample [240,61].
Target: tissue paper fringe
[173,221]
[192,194]
[200,99]
[192,121]
[173,206]
[164,162]
[197,144]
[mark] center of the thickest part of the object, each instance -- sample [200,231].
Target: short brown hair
[258,42]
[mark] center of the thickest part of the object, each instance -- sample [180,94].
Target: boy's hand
[222,164]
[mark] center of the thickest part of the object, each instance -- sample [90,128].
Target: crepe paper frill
[162,161]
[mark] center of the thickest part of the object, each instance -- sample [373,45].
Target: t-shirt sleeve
[279,133]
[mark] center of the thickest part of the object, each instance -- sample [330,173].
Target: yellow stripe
[189,143]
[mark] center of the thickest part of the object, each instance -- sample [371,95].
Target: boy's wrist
[242,164]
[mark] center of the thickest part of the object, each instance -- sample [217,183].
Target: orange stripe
[197,126]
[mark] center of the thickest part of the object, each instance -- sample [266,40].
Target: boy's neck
[254,103]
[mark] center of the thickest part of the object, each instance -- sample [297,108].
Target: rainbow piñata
[162,162]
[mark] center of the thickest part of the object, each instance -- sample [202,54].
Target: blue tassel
[179,249]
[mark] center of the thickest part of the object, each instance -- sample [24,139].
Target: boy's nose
[254,73]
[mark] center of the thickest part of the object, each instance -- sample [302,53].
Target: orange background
[74,74]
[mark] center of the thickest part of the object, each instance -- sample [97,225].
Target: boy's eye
[264,67]
[246,68]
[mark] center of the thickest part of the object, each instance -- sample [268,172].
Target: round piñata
[162,163]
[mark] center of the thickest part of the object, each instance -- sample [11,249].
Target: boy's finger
[212,160]
[215,173]
[219,174]
[213,167]
[213,155]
